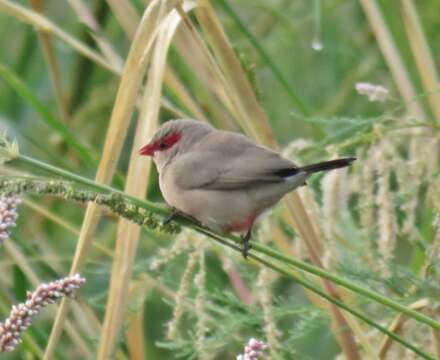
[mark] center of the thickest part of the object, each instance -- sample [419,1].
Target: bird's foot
[246,245]
[174,213]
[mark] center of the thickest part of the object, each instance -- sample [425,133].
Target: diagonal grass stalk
[124,105]
[283,268]
[308,285]
[344,306]
[138,176]
[84,151]
[126,15]
[265,57]
[422,55]
[253,119]
[53,65]
[42,23]
[392,56]
[397,325]
[163,212]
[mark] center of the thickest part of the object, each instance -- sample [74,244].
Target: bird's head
[173,137]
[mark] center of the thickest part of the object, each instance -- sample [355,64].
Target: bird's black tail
[327,165]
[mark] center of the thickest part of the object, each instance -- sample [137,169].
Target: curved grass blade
[49,119]
[265,57]
[125,102]
[138,176]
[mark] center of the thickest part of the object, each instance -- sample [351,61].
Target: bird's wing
[227,161]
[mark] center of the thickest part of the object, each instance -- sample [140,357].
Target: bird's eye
[162,145]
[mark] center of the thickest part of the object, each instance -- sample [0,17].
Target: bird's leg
[174,213]
[246,246]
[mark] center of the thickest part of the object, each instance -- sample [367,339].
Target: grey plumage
[222,178]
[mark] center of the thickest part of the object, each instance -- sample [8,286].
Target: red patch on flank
[244,225]
[160,145]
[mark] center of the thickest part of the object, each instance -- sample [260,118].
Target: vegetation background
[284,72]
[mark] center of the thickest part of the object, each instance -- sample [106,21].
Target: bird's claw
[174,213]
[246,245]
[177,213]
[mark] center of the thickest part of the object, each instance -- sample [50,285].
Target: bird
[222,179]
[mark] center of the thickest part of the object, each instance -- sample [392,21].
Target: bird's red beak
[147,150]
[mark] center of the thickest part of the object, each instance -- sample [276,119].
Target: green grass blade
[265,57]
[49,119]
[342,305]
[308,285]
[287,260]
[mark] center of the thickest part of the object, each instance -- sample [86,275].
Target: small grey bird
[221,178]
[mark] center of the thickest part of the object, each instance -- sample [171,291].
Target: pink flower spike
[21,315]
[253,350]
[373,92]
[8,214]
